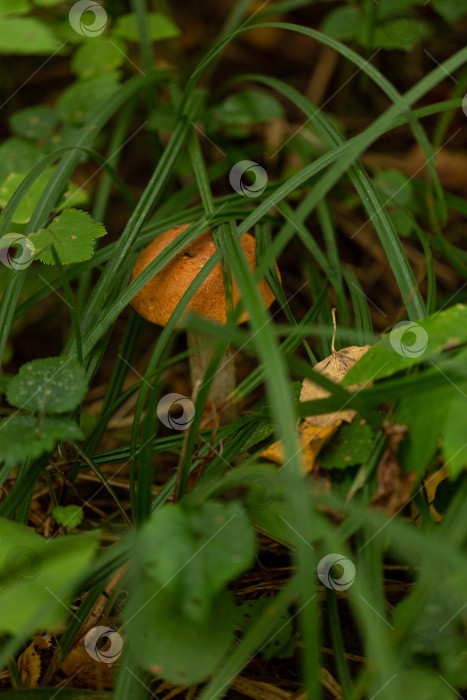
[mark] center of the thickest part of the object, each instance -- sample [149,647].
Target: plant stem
[224,381]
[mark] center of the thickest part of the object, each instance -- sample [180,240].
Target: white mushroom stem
[224,382]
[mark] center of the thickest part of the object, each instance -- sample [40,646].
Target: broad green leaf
[98,56]
[38,578]
[455,433]
[51,385]
[18,155]
[401,33]
[166,642]
[160,27]
[34,122]
[8,187]
[248,107]
[423,413]
[195,553]
[26,35]
[23,436]
[14,7]
[280,644]
[68,516]
[343,23]
[395,187]
[72,233]
[410,343]
[350,446]
[450,10]
[79,102]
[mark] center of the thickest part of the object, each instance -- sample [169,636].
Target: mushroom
[158,298]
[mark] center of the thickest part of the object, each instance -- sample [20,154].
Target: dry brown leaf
[394,487]
[30,663]
[86,671]
[258,690]
[315,431]
[334,367]
[431,483]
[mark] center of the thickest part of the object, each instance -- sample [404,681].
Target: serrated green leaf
[409,344]
[34,122]
[160,27]
[23,436]
[79,102]
[18,155]
[166,642]
[23,213]
[51,385]
[248,107]
[350,446]
[26,35]
[38,577]
[98,56]
[195,553]
[72,233]
[68,516]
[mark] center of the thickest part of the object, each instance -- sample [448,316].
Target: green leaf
[68,516]
[450,10]
[195,553]
[248,107]
[72,233]
[38,577]
[423,414]
[455,432]
[395,187]
[23,213]
[402,33]
[166,642]
[23,436]
[79,102]
[409,344]
[18,155]
[51,385]
[26,35]
[350,446]
[160,27]
[343,23]
[280,644]
[14,7]
[34,122]
[98,56]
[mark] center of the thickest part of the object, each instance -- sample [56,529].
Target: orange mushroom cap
[157,300]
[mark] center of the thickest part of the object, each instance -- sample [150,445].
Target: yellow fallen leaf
[431,484]
[29,663]
[334,367]
[315,431]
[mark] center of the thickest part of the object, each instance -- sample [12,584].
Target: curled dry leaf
[394,487]
[315,431]
[30,662]
[334,367]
